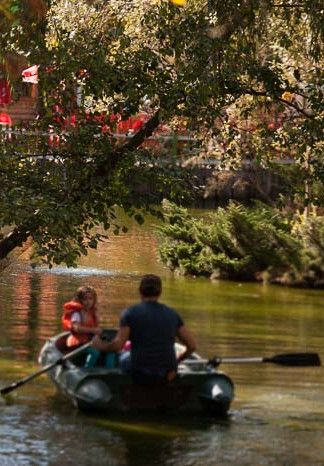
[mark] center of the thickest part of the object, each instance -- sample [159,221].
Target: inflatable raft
[197,387]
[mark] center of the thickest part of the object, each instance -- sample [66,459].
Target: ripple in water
[80,271]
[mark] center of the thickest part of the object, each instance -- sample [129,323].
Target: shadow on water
[44,423]
[152,439]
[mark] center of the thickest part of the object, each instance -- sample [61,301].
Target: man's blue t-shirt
[153,328]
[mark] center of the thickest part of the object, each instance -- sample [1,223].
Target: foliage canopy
[209,63]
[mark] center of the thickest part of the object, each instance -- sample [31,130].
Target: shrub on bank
[241,243]
[310,233]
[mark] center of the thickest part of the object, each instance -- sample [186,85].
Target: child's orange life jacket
[91,320]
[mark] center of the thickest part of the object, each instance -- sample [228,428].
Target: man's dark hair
[150,286]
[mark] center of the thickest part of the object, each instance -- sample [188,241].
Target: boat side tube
[92,394]
[216,394]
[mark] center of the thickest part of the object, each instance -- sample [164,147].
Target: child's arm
[77,327]
[187,339]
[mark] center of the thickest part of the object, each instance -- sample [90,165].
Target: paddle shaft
[46,368]
[218,361]
[288,359]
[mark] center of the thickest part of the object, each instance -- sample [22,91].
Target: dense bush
[310,233]
[238,242]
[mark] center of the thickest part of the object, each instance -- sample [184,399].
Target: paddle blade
[9,388]
[19,383]
[295,359]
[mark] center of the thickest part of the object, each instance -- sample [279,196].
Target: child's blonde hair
[83,291]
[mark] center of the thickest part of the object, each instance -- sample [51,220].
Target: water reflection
[278,414]
[73,271]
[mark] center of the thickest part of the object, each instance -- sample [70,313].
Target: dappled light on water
[79,271]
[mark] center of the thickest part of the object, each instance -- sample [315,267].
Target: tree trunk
[12,240]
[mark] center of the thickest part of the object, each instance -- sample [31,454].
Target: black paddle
[288,359]
[19,383]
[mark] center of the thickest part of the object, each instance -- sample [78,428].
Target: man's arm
[115,345]
[186,339]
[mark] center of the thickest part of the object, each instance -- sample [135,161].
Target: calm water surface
[277,417]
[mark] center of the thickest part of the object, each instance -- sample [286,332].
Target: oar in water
[19,383]
[288,359]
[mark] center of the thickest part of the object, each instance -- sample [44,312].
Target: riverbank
[236,243]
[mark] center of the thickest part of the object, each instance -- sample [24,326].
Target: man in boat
[152,328]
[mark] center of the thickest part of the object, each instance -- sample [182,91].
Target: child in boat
[81,319]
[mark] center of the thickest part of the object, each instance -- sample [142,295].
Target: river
[277,417]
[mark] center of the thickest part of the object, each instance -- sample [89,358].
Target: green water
[277,417]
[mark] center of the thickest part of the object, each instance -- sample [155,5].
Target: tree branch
[284,5]
[12,240]
[286,102]
[300,110]
[133,143]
